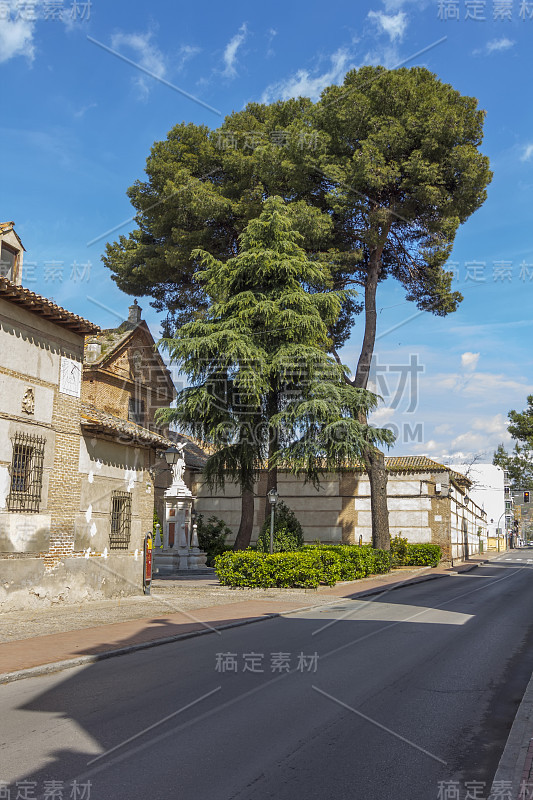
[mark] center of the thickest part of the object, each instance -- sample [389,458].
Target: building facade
[428,503]
[77,465]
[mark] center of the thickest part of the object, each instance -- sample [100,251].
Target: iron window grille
[26,473]
[119,538]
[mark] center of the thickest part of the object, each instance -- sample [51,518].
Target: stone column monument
[180,553]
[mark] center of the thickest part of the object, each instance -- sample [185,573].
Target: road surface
[408,692]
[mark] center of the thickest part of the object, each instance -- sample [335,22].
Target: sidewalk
[48,640]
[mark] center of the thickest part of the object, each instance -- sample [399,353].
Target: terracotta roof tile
[98,421]
[45,308]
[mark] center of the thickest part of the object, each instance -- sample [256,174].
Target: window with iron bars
[119,538]
[26,473]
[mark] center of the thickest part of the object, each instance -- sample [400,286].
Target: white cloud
[185,53]
[481,385]
[310,84]
[496,45]
[382,415]
[146,53]
[230,51]
[528,152]
[469,360]
[83,110]
[394,25]
[16,35]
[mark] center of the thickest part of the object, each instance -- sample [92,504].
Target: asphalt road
[409,689]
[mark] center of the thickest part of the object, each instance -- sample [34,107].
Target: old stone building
[41,353]
[77,465]
[427,501]
[124,373]
[11,253]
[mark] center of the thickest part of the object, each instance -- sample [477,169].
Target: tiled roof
[45,308]
[421,464]
[110,339]
[6,227]
[98,421]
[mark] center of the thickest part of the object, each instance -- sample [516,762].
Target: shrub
[405,554]
[398,549]
[358,562]
[212,537]
[288,533]
[253,569]
[423,555]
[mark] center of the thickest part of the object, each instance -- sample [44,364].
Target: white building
[491,491]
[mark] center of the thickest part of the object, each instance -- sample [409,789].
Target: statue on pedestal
[178,469]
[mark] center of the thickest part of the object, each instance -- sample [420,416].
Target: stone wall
[340,511]
[32,350]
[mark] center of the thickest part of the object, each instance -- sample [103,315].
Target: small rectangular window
[8,261]
[119,538]
[136,411]
[26,473]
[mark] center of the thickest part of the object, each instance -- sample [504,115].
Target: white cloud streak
[497,45]
[146,53]
[393,25]
[16,34]
[305,83]
[231,49]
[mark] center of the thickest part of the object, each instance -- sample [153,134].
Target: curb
[513,762]
[59,666]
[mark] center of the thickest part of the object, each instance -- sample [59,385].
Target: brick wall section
[64,492]
[348,516]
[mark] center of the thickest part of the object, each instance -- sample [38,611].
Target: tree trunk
[244,535]
[377,475]
[373,458]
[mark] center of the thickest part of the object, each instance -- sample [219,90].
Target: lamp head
[273,497]
[172,456]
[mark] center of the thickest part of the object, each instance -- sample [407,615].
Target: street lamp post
[273,499]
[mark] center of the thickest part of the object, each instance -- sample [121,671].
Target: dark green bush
[212,537]
[288,533]
[357,562]
[414,555]
[308,567]
[398,549]
[253,569]
[423,555]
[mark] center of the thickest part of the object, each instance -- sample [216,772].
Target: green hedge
[253,569]
[357,562]
[307,568]
[414,555]
[422,555]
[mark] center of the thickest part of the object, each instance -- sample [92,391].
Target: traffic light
[526,497]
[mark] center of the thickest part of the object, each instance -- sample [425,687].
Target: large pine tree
[264,389]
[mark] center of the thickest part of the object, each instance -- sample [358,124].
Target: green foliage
[398,549]
[519,463]
[390,156]
[262,387]
[252,569]
[414,555]
[307,567]
[288,533]
[357,562]
[212,537]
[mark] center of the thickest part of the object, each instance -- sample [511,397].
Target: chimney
[135,313]
[93,351]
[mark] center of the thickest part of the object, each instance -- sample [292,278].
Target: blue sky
[77,124]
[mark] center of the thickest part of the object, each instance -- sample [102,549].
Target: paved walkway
[52,638]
